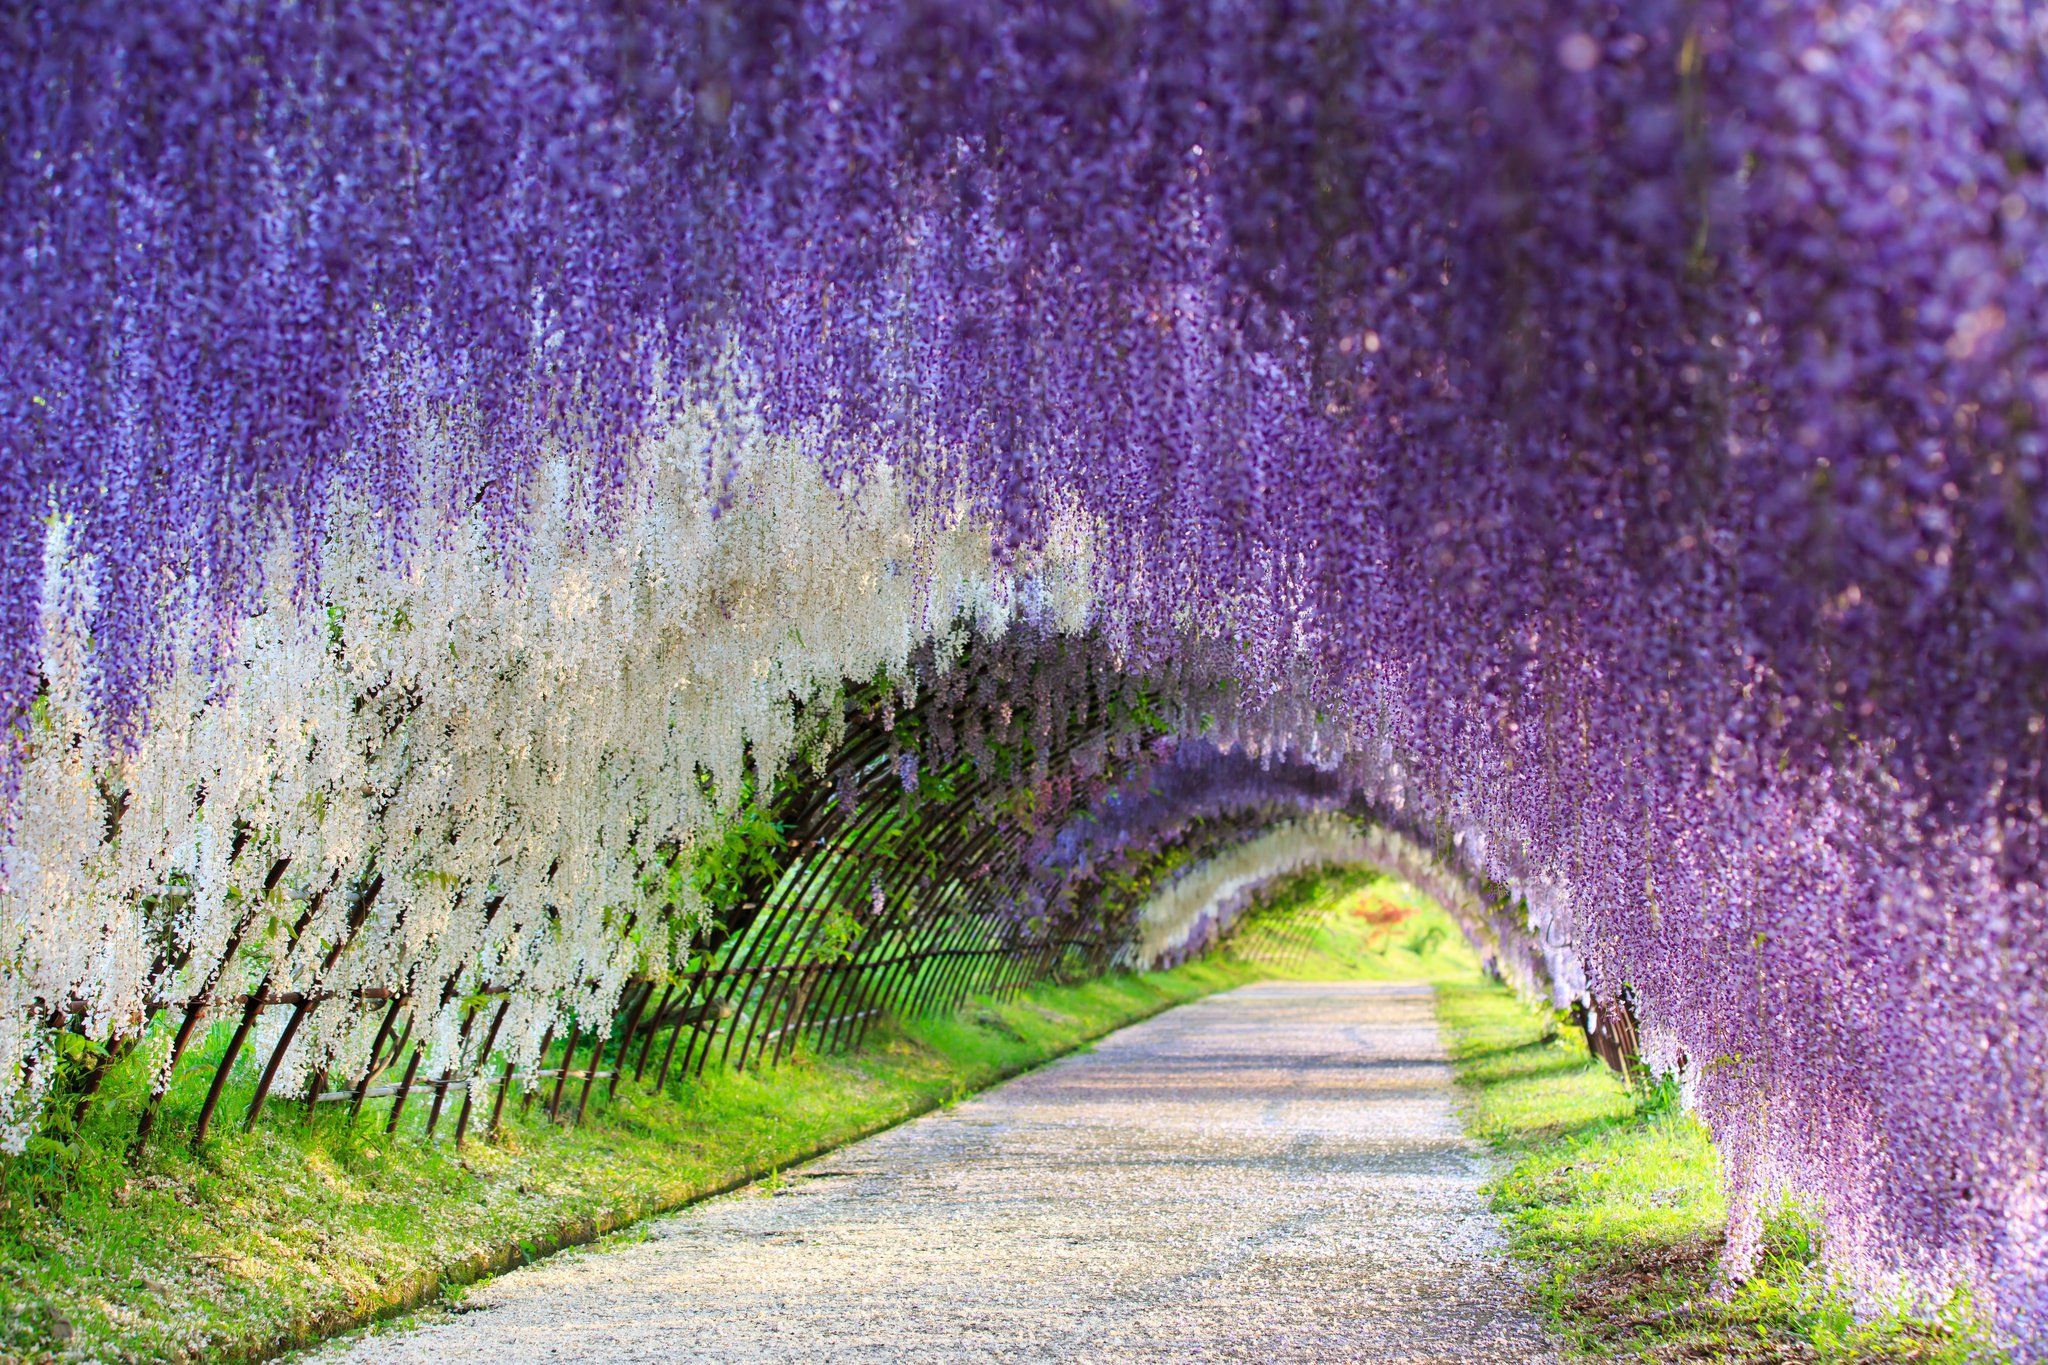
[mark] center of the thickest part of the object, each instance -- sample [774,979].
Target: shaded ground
[1273,1174]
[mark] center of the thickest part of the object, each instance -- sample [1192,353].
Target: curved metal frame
[763,987]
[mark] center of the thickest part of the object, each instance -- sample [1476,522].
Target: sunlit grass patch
[1368,928]
[1613,1196]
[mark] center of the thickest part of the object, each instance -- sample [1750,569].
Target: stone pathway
[1275,1174]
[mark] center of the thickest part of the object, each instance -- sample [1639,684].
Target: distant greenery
[1367,928]
[1614,1197]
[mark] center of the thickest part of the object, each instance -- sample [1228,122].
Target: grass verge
[1614,1197]
[263,1241]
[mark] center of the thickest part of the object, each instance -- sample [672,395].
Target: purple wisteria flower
[1610,434]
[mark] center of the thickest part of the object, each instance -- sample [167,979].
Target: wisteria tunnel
[927,853]
[551,553]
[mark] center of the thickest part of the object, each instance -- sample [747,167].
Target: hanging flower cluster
[1200,905]
[1611,433]
[509,759]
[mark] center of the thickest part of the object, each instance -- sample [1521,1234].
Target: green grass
[1362,928]
[301,1229]
[1614,1197]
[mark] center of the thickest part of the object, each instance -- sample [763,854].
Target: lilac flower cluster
[1180,786]
[1622,423]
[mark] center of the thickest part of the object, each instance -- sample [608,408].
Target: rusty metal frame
[761,945]
[818,807]
[901,872]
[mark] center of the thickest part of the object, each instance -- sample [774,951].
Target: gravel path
[1272,1174]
